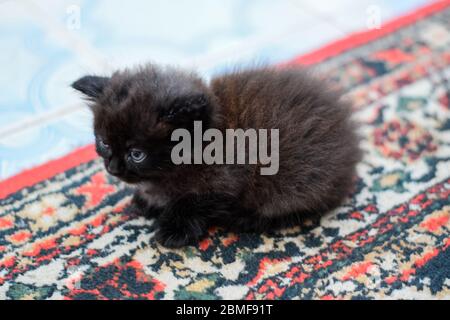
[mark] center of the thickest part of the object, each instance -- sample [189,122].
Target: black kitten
[136,111]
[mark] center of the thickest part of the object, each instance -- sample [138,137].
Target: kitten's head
[135,112]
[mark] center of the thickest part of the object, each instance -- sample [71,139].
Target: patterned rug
[63,234]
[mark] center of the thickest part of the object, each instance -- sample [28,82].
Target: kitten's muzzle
[114,167]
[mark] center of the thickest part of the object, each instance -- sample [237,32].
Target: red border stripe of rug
[30,177]
[49,169]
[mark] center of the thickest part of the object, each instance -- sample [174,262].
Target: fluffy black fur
[135,112]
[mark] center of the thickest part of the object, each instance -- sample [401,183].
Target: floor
[46,44]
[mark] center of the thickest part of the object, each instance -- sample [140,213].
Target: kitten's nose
[114,166]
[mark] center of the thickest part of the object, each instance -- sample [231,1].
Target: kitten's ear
[91,86]
[185,110]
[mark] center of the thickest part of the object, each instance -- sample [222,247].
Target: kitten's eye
[103,144]
[137,155]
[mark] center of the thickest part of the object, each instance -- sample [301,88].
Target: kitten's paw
[140,207]
[174,240]
[180,233]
